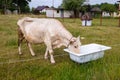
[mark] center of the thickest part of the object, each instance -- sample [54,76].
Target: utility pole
[53,7]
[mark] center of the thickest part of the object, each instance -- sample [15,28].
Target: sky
[35,3]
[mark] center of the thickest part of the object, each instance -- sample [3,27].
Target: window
[57,11]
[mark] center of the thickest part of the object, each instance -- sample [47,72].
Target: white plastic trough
[88,53]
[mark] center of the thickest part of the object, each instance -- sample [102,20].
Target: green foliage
[108,7]
[96,5]
[21,5]
[86,8]
[4,4]
[72,4]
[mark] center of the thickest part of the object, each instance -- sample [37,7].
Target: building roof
[118,1]
[40,8]
[96,9]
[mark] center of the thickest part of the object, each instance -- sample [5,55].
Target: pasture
[25,67]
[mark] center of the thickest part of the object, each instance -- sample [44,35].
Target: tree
[21,4]
[108,7]
[117,6]
[85,8]
[74,5]
[4,4]
[1,6]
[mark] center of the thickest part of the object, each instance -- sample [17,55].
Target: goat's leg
[20,39]
[30,48]
[46,54]
[51,56]
[19,47]
[49,48]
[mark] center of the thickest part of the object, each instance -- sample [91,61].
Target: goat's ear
[78,38]
[73,40]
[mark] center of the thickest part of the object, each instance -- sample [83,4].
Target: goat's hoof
[20,53]
[46,57]
[52,62]
[33,55]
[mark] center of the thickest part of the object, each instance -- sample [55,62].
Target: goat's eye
[75,46]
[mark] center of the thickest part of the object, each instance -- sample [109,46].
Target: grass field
[36,68]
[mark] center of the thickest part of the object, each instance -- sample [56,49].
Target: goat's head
[75,44]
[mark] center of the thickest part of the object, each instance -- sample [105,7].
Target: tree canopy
[20,5]
[74,5]
[108,7]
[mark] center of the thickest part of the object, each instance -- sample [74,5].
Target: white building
[107,14]
[52,12]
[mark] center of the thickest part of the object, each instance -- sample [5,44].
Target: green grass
[106,68]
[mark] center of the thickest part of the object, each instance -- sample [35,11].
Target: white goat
[49,31]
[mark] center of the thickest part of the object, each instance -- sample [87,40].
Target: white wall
[49,13]
[68,13]
[105,14]
[115,14]
[57,13]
